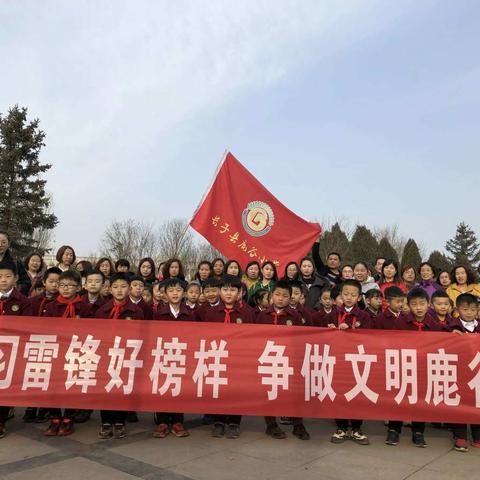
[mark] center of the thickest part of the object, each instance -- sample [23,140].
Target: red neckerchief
[42,304]
[343,318]
[117,310]
[442,322]
[155,306]
[70,310]
[2,303]
[419,325]
[276,315]
[227,315]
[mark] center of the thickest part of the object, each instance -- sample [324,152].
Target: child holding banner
[12,302]
[349,316]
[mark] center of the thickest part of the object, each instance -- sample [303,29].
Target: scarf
[117,310]
[70,305]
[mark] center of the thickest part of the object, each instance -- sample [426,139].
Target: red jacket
[456,324]
[356,318]
[385,320]
[406,321]
[238,314]
[36,306]
[13,305]
[306,313]
[129,312]
[164,313]
[286,317]
[96,304]
[57,309]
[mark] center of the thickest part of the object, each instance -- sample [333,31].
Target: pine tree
[363,245]
[386,250]
[440,261]
[464,247]
[23,200]
[334,240]
[411,255]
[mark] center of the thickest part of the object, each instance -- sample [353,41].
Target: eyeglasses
[67,285]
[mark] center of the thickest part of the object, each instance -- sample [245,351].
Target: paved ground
[26,454]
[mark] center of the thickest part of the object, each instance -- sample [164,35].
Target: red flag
[244,221]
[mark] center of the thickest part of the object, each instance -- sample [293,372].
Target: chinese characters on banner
[239,369]
[244,221]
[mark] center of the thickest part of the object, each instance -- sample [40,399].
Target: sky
[364,110]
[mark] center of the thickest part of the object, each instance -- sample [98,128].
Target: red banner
[239,369]
[244,221]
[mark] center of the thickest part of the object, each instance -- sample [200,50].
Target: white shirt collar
[136,302]
[173,311]
[470,326]
[5,296]
[348,309]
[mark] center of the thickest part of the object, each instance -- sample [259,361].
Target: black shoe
[82,416]
[132,417]
[285,421]
[418,439]
[11,413]
[106,431]
[232,431]
[30,415]
[218,430]
[274,431]
[43,415]
[301,432]
[119,430]
[393,437]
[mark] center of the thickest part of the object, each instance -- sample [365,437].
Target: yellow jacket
[453,291]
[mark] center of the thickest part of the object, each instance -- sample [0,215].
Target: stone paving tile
[73,469]
[16,447]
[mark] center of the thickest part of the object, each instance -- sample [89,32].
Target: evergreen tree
[386,250]
[23,200]
[363,245]
[411,254]
[464,247]
[440,261]
[334,240]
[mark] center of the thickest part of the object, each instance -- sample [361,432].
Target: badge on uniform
[238,320]
[15,308]
[289,322]
[128,318]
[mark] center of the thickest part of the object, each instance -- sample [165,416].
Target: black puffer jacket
[313,288]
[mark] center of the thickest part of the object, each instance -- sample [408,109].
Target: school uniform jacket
[203,309]
[13,305]
[456,324]
[237,314]
[406,321]
[96,304]
[288,316]
[57,309]
[129,312]
[164,313]
[145,307]
[35,306]
[307,314]
[356,318]
[385,320]
[319,316]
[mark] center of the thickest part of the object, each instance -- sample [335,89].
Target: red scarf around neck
[117,310]
[70,309]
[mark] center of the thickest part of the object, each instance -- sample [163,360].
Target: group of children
[221,296]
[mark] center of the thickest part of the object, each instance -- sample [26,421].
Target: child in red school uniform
[373,303]
[420,321]
[466,323]
[395,300]
[349,317]
[137,286]
[229,310]
[211,292]
[147,295]
[174,310]
[192,294]
[280,313]
[93,285]
[68,304]
[297,302]
[442,308]
[325,306]
[120,307]
[35,307]
[158,296]
[261,300]
[12,302]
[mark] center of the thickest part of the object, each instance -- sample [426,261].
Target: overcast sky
[361,110]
